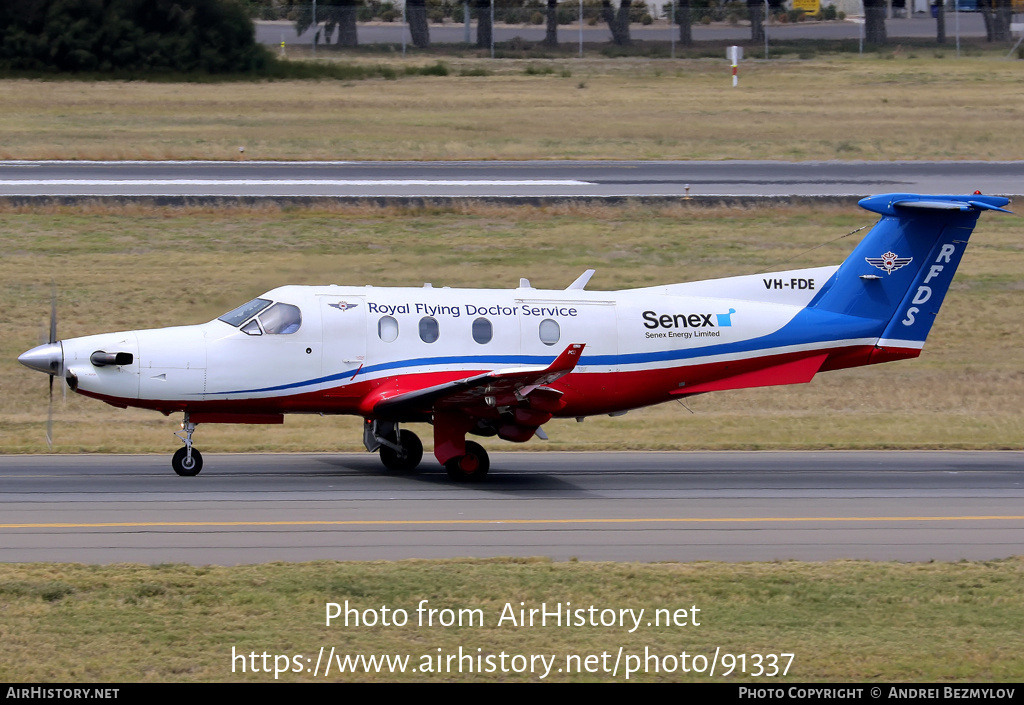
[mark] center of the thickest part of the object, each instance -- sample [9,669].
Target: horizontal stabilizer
[891,203]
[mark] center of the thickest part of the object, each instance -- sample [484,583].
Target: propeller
[53,339]
[48,357]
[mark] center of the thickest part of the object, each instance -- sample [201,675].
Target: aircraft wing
[502,387]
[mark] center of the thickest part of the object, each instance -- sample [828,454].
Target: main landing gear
[187,461]
[471,467]
[400,450]
[464,460]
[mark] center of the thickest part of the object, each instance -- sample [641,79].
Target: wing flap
[470,391]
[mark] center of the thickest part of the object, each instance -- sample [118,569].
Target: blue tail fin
[900,272]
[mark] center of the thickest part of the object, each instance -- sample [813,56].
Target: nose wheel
[187,461]
[186,465]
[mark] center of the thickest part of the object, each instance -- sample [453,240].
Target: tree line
[210,36]
[619,15]
[217,36]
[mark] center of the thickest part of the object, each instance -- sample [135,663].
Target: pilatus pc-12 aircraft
[503,362]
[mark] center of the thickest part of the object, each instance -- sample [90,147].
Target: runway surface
[731,506]
[497,179]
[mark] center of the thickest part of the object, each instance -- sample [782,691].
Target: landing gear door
[344,319]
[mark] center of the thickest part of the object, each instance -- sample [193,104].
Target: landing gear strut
[187,461]
[464,460]
[404,453]
[400,451]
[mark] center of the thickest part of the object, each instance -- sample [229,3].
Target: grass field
[842,621]
[901,104]
[136,267]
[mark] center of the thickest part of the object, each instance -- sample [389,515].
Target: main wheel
[471,467]
[183,466]
[409,458]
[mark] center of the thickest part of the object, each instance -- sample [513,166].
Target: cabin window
[281,319]
[429,330]
[482,331]
[549,331]
[244,312]
[387,329]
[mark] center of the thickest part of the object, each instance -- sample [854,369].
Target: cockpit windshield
[244,312]
[281,319]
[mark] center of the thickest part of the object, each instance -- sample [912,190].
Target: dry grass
[843,107]
[137,267]
[844,621]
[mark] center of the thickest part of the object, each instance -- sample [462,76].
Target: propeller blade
[53,312]
[53,339]
[49,418]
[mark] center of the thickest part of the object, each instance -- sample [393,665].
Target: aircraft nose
[47,358]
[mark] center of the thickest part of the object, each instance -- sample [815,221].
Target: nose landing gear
[187,461]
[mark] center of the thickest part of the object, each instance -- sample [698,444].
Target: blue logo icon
[725,319]
[889,262]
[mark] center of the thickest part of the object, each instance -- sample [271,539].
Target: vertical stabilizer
[901,270]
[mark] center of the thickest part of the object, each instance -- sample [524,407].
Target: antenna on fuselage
[582,280]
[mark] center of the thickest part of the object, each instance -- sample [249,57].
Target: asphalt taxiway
[730,506]
[537,180]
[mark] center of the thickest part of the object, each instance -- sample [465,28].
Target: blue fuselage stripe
[808,327]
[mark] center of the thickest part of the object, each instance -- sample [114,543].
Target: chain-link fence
[481,23]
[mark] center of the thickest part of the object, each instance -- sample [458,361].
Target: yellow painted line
[480,522]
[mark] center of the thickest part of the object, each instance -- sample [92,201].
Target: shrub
[568,13]
[208,36]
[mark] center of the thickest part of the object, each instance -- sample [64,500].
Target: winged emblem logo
[889,262]
[343,305]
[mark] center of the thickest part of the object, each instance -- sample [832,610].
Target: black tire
[471,467]
[411,456]
[180,467]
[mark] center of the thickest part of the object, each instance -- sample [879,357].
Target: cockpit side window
[281,319]
[244,312]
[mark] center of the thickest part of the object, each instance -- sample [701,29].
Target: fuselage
[643,346]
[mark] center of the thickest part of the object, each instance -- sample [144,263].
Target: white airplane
[503,362]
